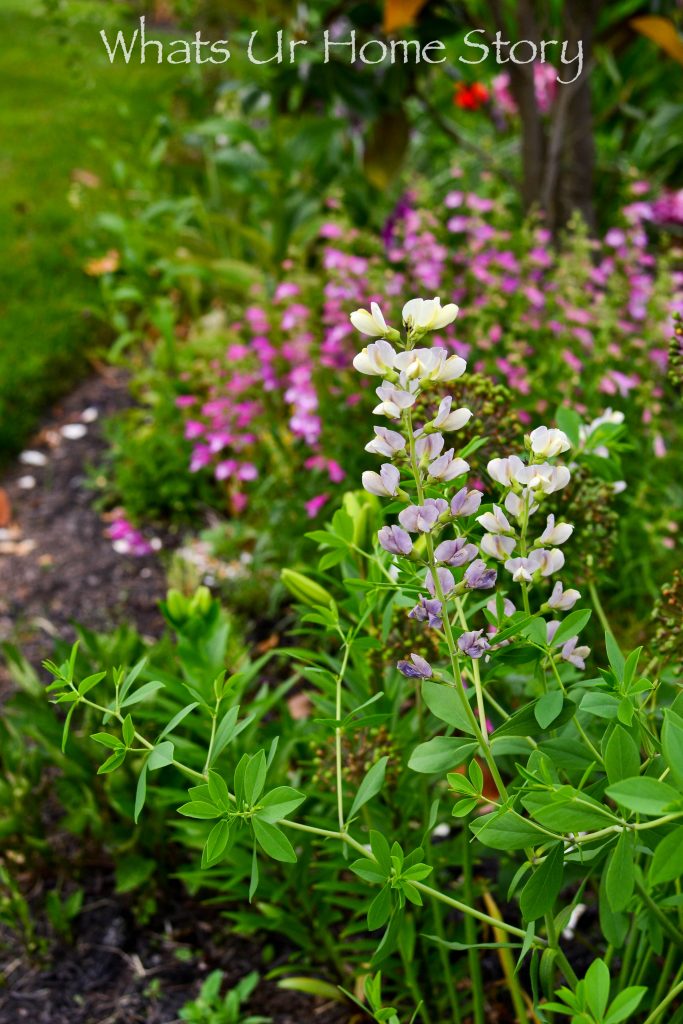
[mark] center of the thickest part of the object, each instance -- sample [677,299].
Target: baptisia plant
[438,529]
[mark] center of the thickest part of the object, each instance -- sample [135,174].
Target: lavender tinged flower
[465,503]
[508,607]
[496,546]
[556,534]
[385,483]
[563,600]
[474,643]
[539,561]
[395,540]
[428,611]
[447,420]
[479,577]
[392,401]
[495,522]
[575,655]
[455,552]
[416,668]
[429,445]
[446,581]
[544,478]
[447,468]
[520,505]
[387,443]
[505,471]
[422,518]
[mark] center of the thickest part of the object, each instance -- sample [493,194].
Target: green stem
[471,934]
[338,735]
[676,990]
[597,604]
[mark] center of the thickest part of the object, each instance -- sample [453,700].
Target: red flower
[470,97]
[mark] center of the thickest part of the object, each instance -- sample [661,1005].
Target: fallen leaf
[399,13]
[661,31]
[5,508]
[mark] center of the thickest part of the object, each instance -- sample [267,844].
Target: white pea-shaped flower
[548,442]
[376,360]
[373,323]
[428,314]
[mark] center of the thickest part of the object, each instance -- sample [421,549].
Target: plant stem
[471,933]
[664,1003]
[338,734]
[597,604]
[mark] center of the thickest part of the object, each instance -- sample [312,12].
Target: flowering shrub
[457,632]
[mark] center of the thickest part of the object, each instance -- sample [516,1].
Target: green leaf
[253,881]
[622,757]
[368,871]
[216,843]
[161,756]
[525,723]
[113,762]
[381,851]
[140,793]
[444,702]
[614,925]
[597,986]
[548,707]
[142,694]
[67,723]
[672,746]
[542,889]
[279,803]
[370,786]
[644,795]
[177,719]
[506,830]
[571,626]
[380,909]
[440,754]
[128,730]
[625,1004]
[616,658]
[107,740]
[620,875]
[255,777]
[667,862]
[89,682]
[199,809]
[133,871]
[218,791]
[273,841]
[570,422]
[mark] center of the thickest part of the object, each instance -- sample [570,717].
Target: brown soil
[56,563]
[112,970]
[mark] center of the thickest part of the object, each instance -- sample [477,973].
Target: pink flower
[314,505]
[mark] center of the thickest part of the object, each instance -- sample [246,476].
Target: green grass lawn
[59,94]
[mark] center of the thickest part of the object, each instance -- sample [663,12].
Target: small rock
[90,414]
[27,483]
[74,431]
[33,458]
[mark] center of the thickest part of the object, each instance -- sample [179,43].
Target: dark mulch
[56,563]
[115,971]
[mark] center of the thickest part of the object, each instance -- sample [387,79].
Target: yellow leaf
[399,13]
[661,31]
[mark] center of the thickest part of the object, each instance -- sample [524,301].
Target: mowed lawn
[59,94]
